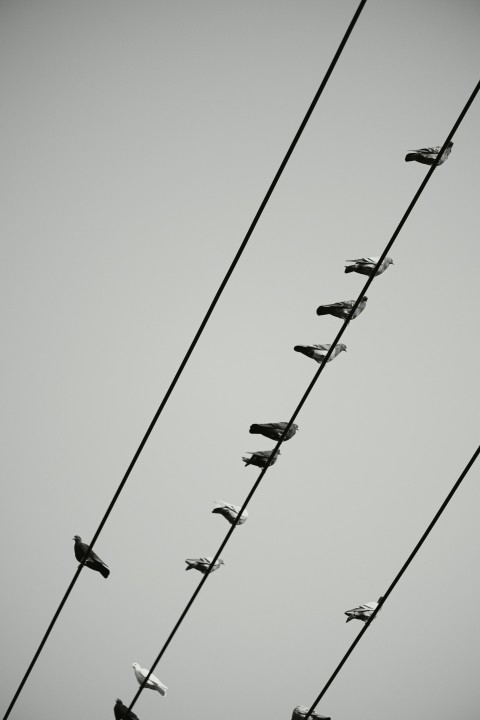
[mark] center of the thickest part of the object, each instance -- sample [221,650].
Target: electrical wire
[395,581]
[309,389]
[198,334]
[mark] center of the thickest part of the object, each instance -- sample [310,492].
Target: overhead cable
[395,581]
[309,389]
[194,342]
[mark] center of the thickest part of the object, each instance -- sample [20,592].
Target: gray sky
[139,139]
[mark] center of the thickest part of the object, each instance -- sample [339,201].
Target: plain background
[138,141]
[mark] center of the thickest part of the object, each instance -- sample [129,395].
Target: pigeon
[274,431]
[93,561]
[230,512]
[319,352]
[363,612]
[366,265]
[260,457]
[302,710]
[203,564]
[428,155]
[342,309]
[153,683]
[122,712]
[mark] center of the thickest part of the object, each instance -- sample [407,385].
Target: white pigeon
[153,682]
[319,352]
[366,265]
[230,512]
[301,711]
[362,612]
[428,155]
[202,564]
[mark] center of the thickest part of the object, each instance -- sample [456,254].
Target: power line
[307,393]
[395,581]
[194,341]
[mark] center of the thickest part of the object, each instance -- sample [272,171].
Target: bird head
[389,261]
[135,665]
[342,347]
[77,538]
[220,561]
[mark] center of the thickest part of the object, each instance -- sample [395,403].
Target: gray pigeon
[363,612]
[122,712]
[202,564]
[428,155]
[230,512]
[274,431]
[260,457]
[342,309]
[319,352]
[302,710]
[93,561]
[366,265]
[153,683]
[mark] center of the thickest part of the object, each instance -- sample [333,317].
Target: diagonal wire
[309,389]
[395,581]
[195,339]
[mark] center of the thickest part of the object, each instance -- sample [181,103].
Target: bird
[363,612]
[153,683]
[274,431]
[230,512]
[302,710]
[122,712]
[202,564]
[366,265]
[428,155]
[93,561]
[342,309]
[260,458]
[319,352]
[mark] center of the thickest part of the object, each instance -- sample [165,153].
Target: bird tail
[350,617]
[189,567]
[255,429]
[350,268]
[161,690]
[322,310]
[410,156]
[104,571]
[247,461]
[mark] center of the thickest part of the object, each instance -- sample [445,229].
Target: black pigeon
[428,155]
[342,309]
[93,561]
[260,458]
[122,712]
[274,431]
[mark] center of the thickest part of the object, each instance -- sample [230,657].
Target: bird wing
[429,150]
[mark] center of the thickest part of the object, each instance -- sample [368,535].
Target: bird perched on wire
[366,265]
[202,564]
[274,431]
[342,309]
[153,683]
[230,512]
[122,712]
[363,612]
[260,458]
[428,155]
[319,352]
[302,710]
[93,561]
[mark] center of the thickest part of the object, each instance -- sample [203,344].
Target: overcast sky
[138,141]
